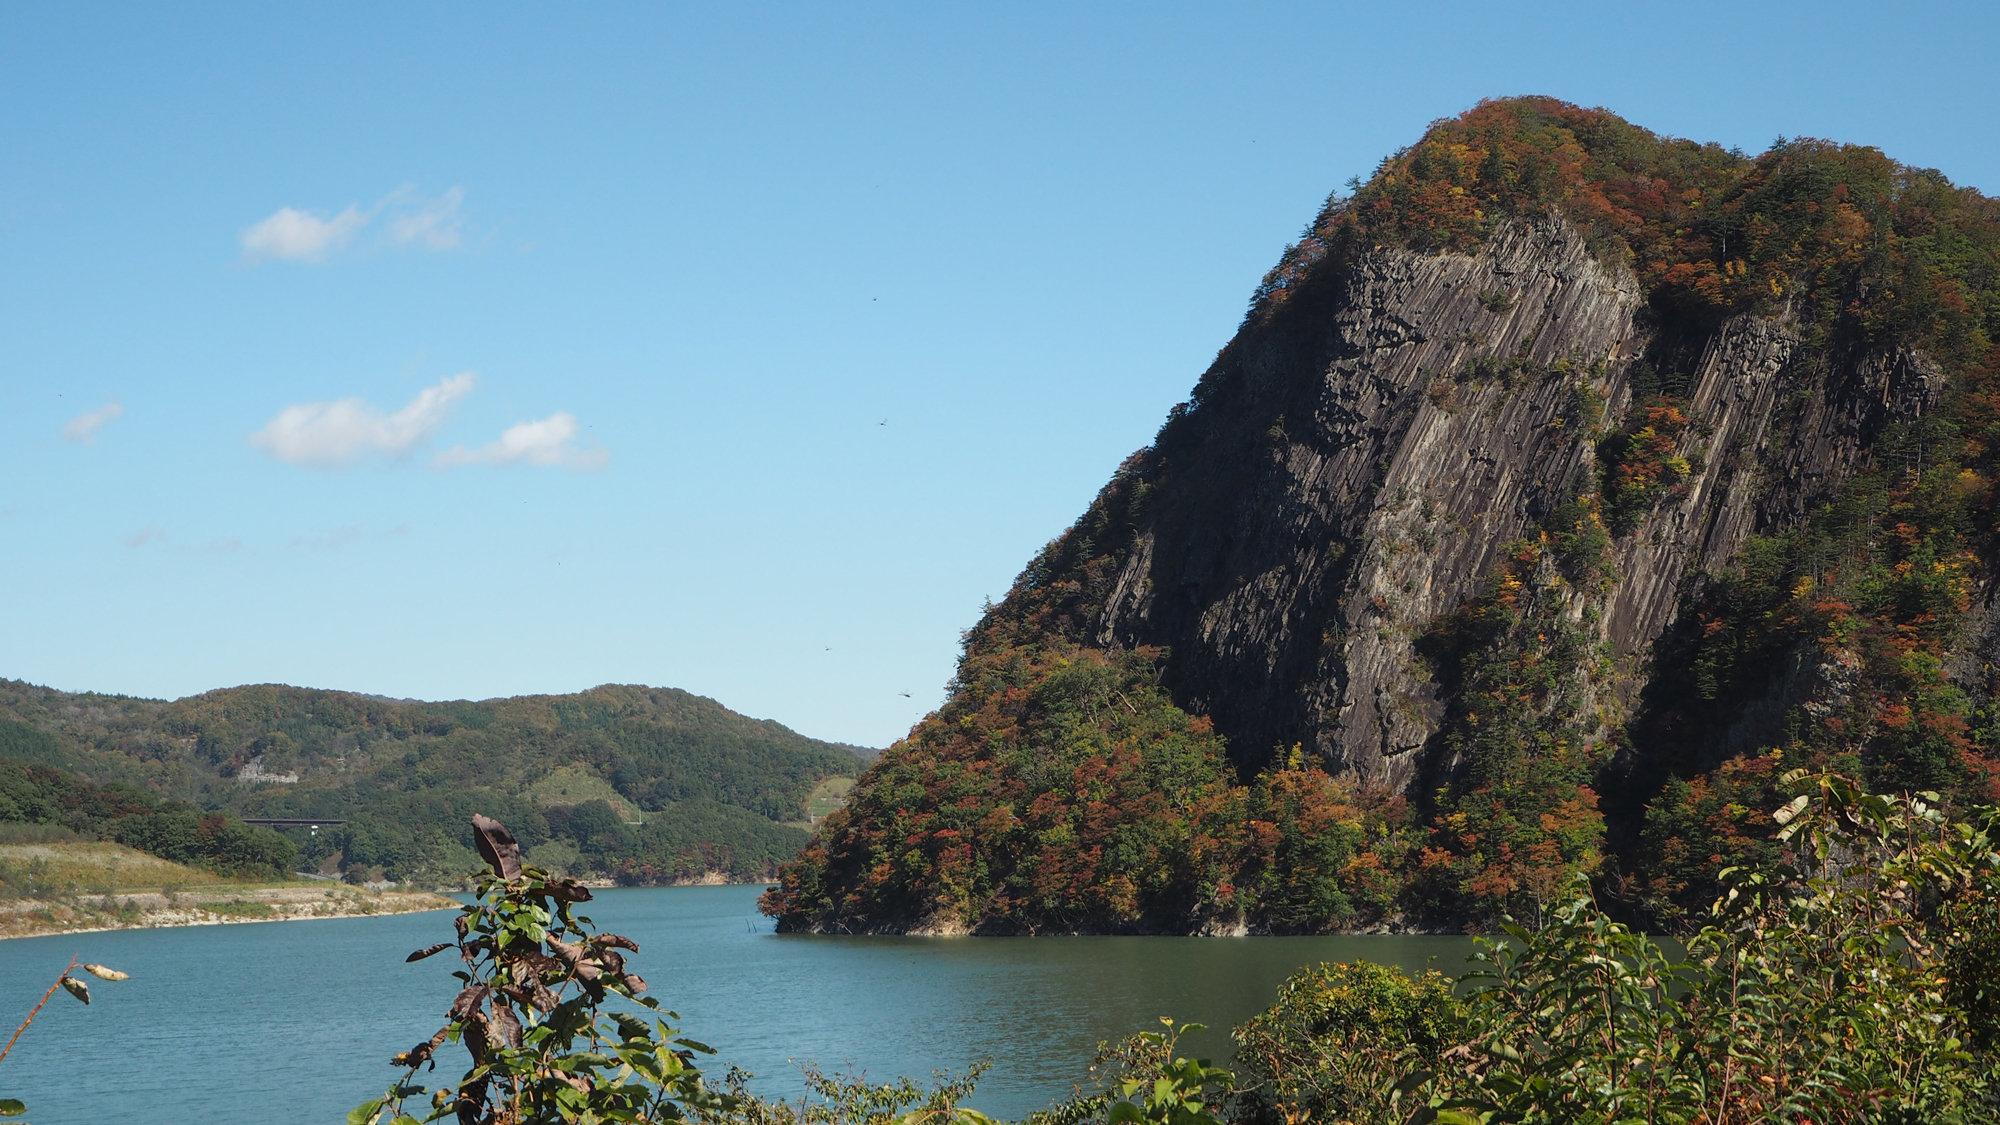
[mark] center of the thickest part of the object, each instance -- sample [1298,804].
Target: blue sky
[458,351]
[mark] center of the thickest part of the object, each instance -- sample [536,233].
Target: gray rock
[1358,459]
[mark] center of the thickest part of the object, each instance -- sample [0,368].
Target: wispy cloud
[549,442]
[84,427]
[435,224]
[328,434]
[153,533]
[294,235]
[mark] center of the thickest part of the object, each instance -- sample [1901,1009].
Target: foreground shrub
[536,980]
[1320,1053]
[1143,1080]
[847,1100]
[536,1016]
[1851,981]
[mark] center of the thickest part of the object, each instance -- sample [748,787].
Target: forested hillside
[639,784]
[1564,485]
[44,796]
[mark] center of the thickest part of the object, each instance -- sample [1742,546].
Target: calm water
[293,1022]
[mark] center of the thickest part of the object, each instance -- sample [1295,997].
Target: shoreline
[600,882]
[212,904]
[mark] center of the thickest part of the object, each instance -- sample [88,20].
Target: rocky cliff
[1356,471]
[1563,472]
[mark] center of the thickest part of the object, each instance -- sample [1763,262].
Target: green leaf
[631,1027]
[12,1107]
[1411,1081]
[365,1113]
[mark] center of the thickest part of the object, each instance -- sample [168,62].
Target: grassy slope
[94,866]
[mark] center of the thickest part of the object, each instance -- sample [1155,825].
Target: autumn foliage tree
[1060,790]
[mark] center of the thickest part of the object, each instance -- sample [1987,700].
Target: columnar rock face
[1358,461]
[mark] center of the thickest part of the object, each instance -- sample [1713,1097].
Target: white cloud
[304,236]
[300,236]
[549,442]
[84,427]
[343,432]
[435,223]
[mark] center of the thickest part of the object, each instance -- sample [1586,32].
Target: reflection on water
[294,1022]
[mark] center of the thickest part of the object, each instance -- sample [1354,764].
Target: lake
[293,1022]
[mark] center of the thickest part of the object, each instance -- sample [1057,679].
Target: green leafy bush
[546,1047]
[1852,979]
[1321,1051]
[846,1100]
[1142,1081]
[536,977]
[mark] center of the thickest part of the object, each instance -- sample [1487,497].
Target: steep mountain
[1563,486]
[635,783]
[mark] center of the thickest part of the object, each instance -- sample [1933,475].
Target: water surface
[294,1022]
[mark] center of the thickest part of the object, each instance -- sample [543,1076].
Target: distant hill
[644,785]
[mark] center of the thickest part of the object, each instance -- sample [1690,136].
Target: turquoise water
[293,1022]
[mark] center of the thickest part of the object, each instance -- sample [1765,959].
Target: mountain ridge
[650,784]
